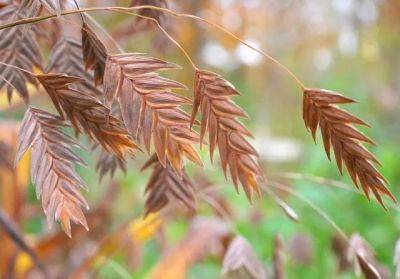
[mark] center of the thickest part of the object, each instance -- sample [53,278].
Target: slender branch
[18,68]
[326,182]
[317,209]
[176,14]
[185,53]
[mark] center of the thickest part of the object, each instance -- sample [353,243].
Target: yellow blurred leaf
[23,263]
[142,230]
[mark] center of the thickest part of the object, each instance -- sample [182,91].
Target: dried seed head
[52,167]
[149,108]
[240,261]
[66,57]
[109,163]
[166,185]
[336,125]
[361,254]
[94,52]
[88,115]
[219,119]
[19,48]
[157,15]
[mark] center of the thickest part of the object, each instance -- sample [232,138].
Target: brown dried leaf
[52,167]
[18,47]
[219,119]
[94,52]
[165,185]
[240,261]
[336,125]
[88,115]
[150,110]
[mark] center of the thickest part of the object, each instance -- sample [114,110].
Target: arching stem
[176,14]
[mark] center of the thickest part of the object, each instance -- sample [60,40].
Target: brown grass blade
[240,261]
[165,185]
[88,115]
[52,167]
[338,133]
[219,118]
[94,52]
[19,48]
[66,57]
[149,108]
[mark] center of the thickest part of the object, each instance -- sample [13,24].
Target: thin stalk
[176,14]
[327,182]
[174,41]
[18,68]
[316,208]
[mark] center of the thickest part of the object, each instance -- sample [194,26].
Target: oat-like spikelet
[88,115]
[19,48]
[94,51]
[336,125]
[66,57]
[52,167]
[149,108]
[166,185]
[219,118]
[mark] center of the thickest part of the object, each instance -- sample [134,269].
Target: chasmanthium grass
[123,104]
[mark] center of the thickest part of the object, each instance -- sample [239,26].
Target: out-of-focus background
[349,46]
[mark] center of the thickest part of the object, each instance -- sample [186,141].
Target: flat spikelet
[94,52]
[66,57]
[18,47]
[240,261]
[52,167]
[166,185]
[157,15]
[149,108]
[108,164]
[336,125]
[219,118]
[87,114]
